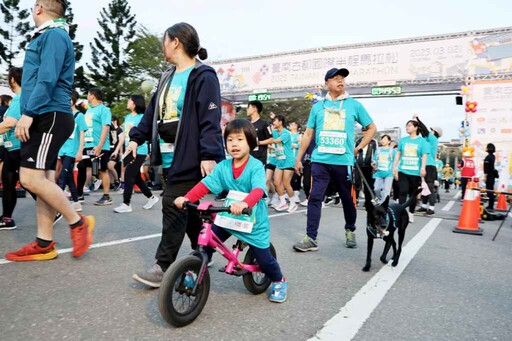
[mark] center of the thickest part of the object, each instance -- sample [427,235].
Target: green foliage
[13,31]
[110,50]
[146,61]
[119,109]
[81,81]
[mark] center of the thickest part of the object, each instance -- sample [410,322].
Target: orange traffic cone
[469,216]
[502,200]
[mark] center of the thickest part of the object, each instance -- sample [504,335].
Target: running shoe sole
[103,203]
[8,228]
[314,248]
[41,256]
[144,281]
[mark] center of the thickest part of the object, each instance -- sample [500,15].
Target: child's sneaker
[278,292]
[281,207]
[82,236]
[32,252]
[190,280]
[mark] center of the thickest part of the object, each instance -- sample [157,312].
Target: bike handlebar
[216,209]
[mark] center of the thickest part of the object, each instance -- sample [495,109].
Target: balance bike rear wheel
[175,300]
[256,282]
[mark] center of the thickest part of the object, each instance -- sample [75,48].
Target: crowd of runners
[175,142]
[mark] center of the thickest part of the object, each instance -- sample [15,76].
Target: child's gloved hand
[180,202]
[238,207]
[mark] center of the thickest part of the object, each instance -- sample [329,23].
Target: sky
[229,29]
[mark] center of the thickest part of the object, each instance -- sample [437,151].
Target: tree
[15,30]
[81,81]
[110,49]
[146,61]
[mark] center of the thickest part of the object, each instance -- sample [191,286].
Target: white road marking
[134,239]
[449,205]
[346,324]
[457,195]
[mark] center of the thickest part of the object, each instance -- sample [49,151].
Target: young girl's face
[237,146]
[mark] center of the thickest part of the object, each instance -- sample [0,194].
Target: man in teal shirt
[333,120]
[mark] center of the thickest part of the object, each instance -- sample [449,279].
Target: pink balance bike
[186,284]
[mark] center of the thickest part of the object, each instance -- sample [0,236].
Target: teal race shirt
[8,139]
[334,124]
[439,166]
[432,141]
[283,150]
[412,151]
[96,118]
[171,101]
[131,121]
[72,144]
[253,176]
[384,158]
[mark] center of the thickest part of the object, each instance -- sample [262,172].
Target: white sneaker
[97,184]
[123,208]
[86,189]
[77,206]
[281,207]
[151,202]
[411,217]
[304,203]
[292,207]
[275,201]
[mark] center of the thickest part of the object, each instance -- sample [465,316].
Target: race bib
[166,147]
[383,162]
[332,142]
[241,223]
[410,159]
[271,152]
[8,144]
[280,152]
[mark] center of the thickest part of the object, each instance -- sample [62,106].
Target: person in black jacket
[183,121]
[490,174]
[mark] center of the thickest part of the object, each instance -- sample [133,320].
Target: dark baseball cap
[334,72]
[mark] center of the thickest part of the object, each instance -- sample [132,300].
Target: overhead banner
[404,61]
[492,123]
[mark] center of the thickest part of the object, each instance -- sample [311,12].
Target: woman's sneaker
[281,207]
[77,206]
[292,207]
[151,202]
[278,292]
[7,224]
[105,200]
[350,239]
[123,208]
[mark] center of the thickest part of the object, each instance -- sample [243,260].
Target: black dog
[383,220]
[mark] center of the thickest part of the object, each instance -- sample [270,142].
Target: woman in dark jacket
[182,122]
[490,174]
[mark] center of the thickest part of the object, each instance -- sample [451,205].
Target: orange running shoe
[31,252]
[82,236]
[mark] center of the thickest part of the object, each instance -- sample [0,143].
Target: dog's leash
[375,200]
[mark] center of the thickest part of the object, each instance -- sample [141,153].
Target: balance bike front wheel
[175,300]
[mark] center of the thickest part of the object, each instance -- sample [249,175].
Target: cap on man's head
[334,72]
